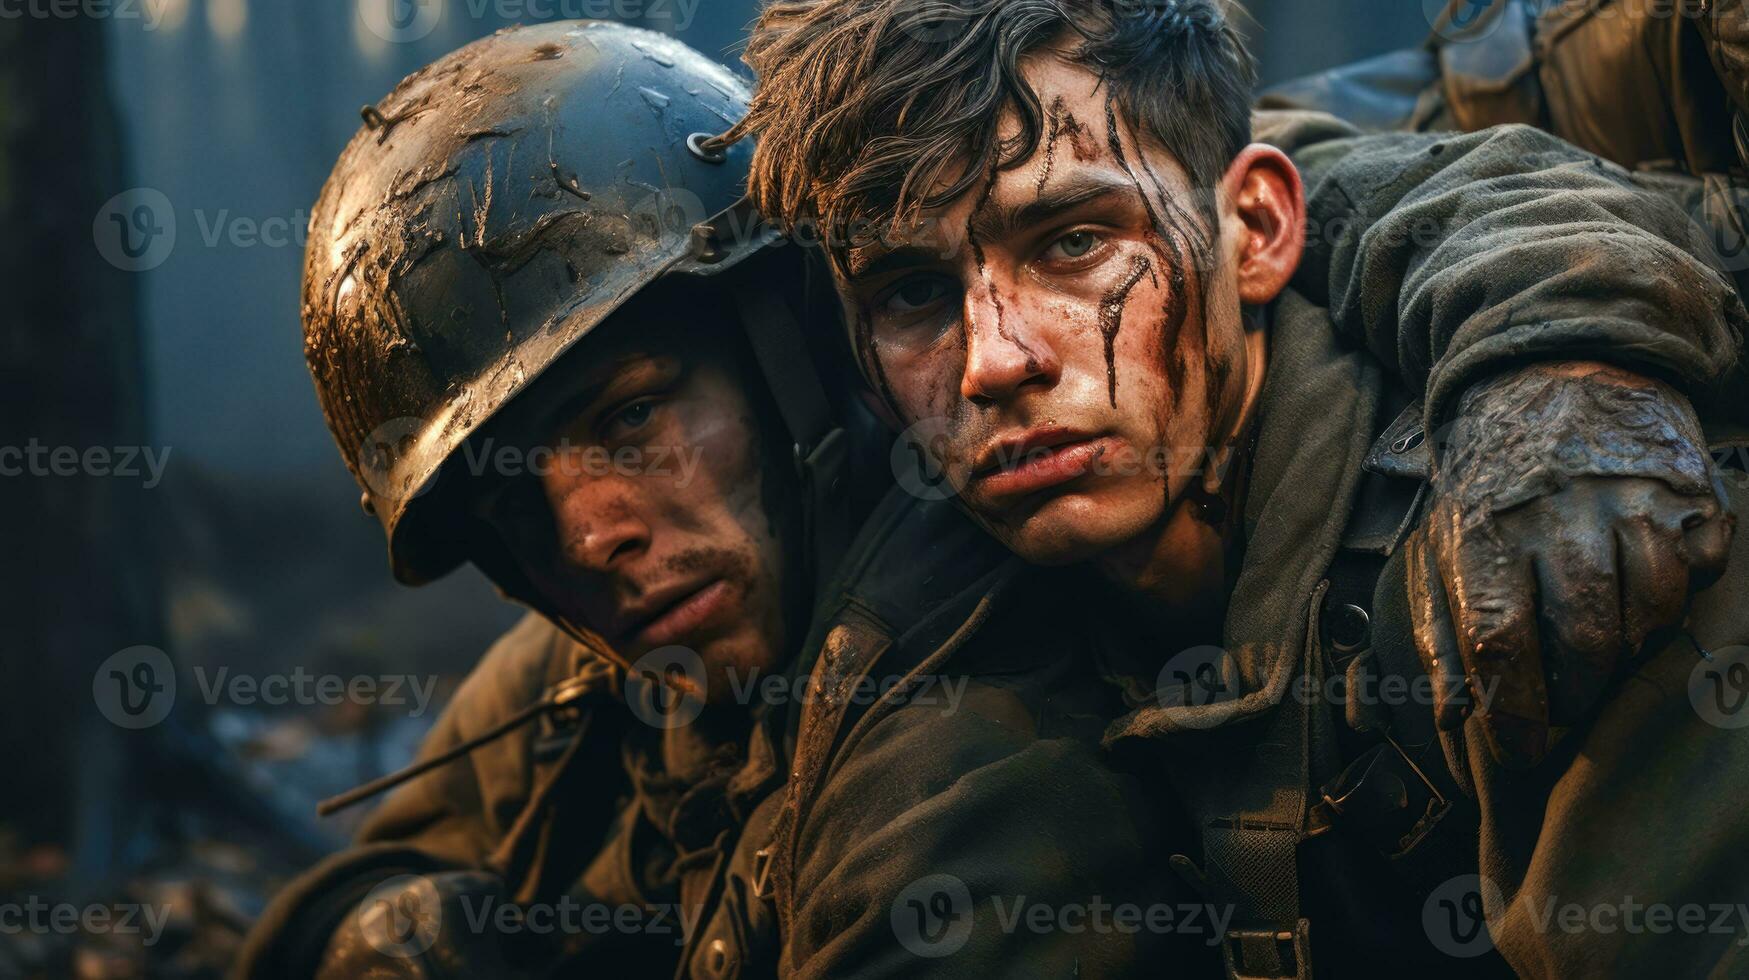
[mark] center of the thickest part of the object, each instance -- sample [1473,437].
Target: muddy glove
[425,926]
[1574,511]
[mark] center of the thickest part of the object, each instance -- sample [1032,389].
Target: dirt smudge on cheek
[1055,129]
[872,368]
[984,273]
[1111,310]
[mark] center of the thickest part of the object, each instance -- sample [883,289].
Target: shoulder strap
[1398,795]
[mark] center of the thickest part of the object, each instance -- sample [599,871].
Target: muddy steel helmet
[492,210]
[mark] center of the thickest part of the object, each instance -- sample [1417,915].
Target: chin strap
[821,448]
[558,698]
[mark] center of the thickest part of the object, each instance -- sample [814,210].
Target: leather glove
[423,926]
[1574,511]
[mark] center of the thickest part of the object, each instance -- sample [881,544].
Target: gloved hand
[1574,511]
[423,926]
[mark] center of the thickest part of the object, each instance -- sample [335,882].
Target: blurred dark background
[157,162]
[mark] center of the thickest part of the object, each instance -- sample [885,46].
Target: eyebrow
[573,404]
[996,221]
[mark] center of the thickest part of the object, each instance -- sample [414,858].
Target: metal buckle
[1269,954]
[762,873]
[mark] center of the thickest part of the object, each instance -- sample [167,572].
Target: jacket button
[1350,628]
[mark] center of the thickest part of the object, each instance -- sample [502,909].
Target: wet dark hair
[864,106]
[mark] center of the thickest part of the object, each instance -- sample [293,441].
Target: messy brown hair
[870,112]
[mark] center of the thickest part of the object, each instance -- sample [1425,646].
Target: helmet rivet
[695,146]
[705,245]
[365,502]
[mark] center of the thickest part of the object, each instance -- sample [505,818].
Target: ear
[1265,202]
[878,406]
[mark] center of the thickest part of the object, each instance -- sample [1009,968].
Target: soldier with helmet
[547,342]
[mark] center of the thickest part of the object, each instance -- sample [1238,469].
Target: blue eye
[634,415]
[1073,245]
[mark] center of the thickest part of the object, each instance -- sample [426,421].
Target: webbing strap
[782,353]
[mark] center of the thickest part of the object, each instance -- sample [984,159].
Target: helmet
[493,209]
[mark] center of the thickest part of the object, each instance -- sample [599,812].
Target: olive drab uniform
[1326,830]
[1659,88]
[1046,788]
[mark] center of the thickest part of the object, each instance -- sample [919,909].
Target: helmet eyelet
[695,146]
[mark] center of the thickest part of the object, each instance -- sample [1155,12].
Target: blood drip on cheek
[1111,310]
[871,361]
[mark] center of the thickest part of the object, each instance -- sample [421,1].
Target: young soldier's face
[649,516]
[1068,336]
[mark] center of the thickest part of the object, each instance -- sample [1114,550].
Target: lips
[1036,460]
[677,612]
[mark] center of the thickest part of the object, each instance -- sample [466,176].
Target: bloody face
[646,513]
[1068,334]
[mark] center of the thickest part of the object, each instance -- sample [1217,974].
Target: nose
[598,524]
[1005,351]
